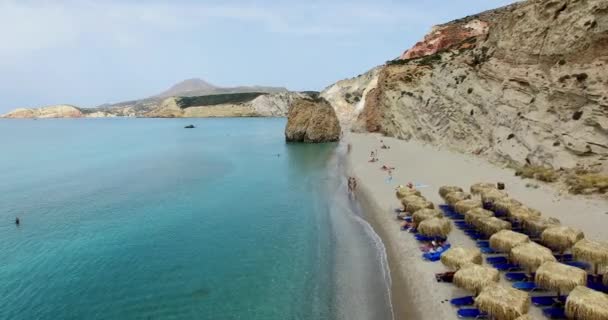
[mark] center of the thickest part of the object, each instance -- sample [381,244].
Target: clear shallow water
[142,219]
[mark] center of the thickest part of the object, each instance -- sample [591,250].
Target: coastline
[415,293]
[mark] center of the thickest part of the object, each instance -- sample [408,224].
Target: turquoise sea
[143,219]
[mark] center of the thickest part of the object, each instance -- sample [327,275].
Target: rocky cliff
[523,84]
[59,111]
[312,120]
[189,98]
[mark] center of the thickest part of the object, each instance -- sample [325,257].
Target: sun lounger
[554,313]
[497,260]
[564,257]
[477,236]
[471,313]
[447,209]
[421,237]
[597,286]
[526,286]
[578,264]
[483,244]
[516,276]
[547,301]
[434,256]
[507,267]
[487,250]
[463,301]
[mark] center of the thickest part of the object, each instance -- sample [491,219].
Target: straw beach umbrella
[561,238]
[435,227]
[588,304]
[505,240]
[475,214]
[403,192]
[492,195]
[522,213]
[536,225]
[411,198]
[473,277]
[592,251]
[458,257]
[559,277]
[444,190]
[424,214]
[414,206]
[491,225]
[524,317]
[463,206]
[505,205]
[476,188]
[503,303]
[531,255]
[453,197]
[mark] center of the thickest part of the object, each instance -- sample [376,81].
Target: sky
[87,53]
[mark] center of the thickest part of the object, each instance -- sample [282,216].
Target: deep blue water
[142,219]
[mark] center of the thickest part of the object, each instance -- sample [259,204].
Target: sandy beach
[416,294]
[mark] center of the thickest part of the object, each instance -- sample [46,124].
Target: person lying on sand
[373,160]
[387,168]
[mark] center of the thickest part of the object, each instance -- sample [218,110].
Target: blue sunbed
[526,286]
[564,257]
[477,236]
[497,260]
[487,250]
[483,244]
[421,237]
[471,313]
[554,313]
[547,301]
[578,264]
[407,219]
[516,276]
[434,256]
[447,209]
[507,267]
[463,301]
[597,286]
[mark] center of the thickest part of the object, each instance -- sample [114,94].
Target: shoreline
[415,293]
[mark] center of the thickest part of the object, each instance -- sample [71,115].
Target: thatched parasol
[411,198]
[561,238]
[458,257]
[491,225]
[592,251]
[506,240]
[403,192]
[444,190]
[605,278]
[414,206]
[505,205]
[473,277]
[559,277]
[463,206]
[480,186]
[531,255]
[503,303]
[424,214]
[521,213]
[524,317]
[492,195]
[435,227]
[453,197]
[475,214]
[536,225]
[588,304]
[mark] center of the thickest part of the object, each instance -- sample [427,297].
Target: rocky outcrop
[348,96]
[526,84]
[312,120]
[59,111]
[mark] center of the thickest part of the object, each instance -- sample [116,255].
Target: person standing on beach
[354,186]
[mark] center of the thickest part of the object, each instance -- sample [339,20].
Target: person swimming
[17,221]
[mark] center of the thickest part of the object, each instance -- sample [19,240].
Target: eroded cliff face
[527,83]
[59,111]
[348,96]
[312,121]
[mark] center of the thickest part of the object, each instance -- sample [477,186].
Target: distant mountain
[187,87]
[188,98]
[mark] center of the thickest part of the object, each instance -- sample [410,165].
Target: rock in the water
[312,120]
[190,126]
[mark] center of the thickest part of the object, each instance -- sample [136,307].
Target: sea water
[143,219]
